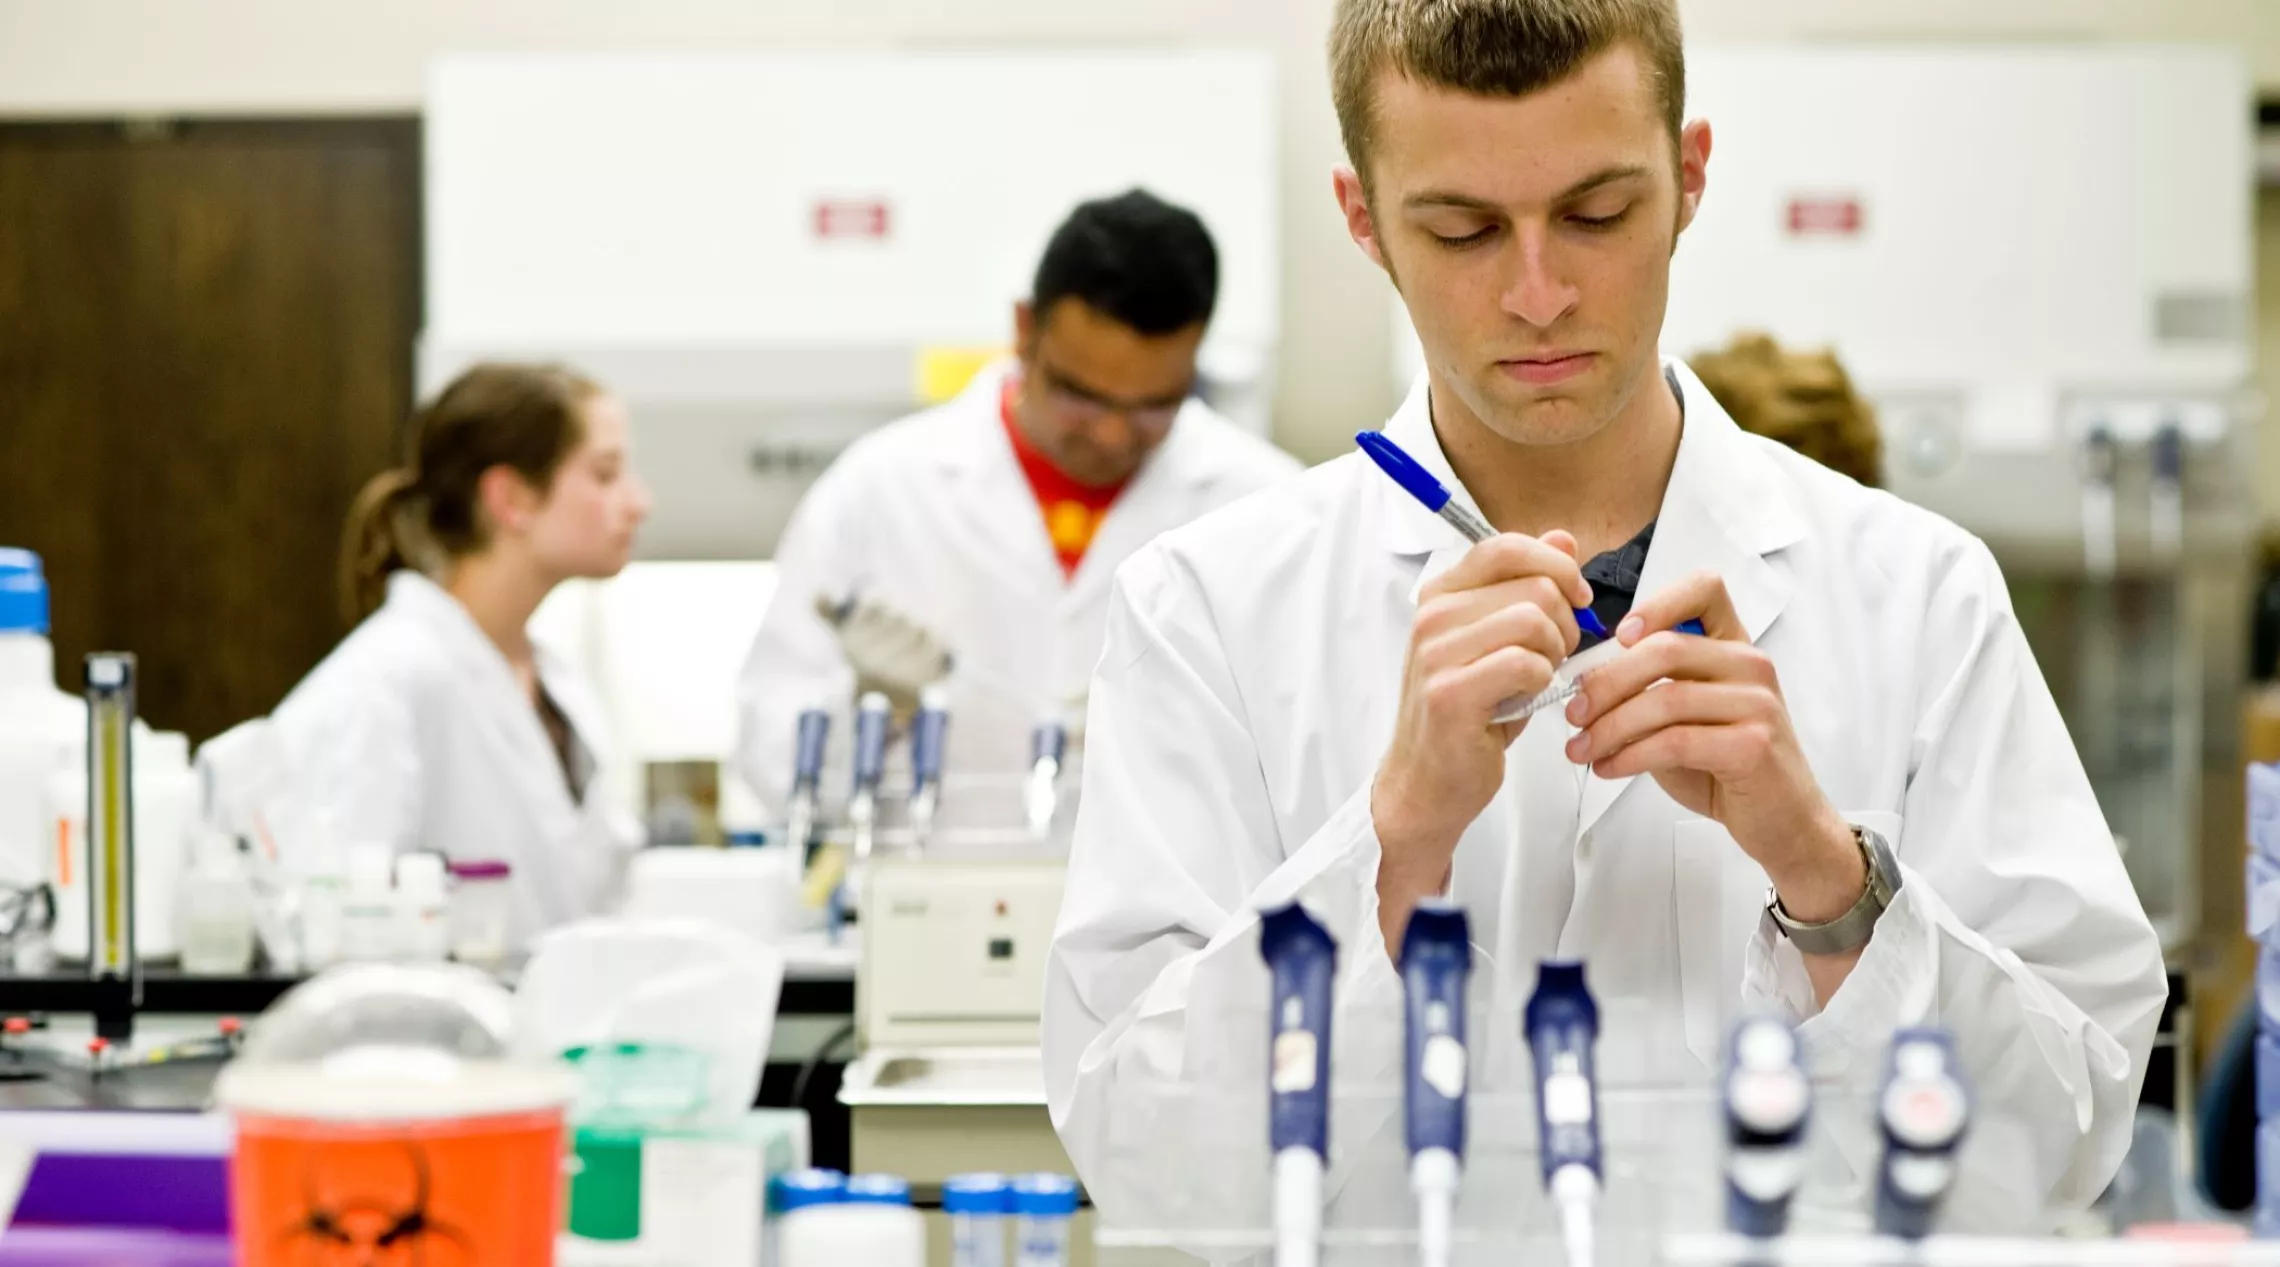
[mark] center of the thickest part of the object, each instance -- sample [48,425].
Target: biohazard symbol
[374,1229]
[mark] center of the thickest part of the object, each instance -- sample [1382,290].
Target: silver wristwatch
[1851,930]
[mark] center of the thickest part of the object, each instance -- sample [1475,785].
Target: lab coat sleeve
[795,662]
[356,753]
[2016,926]
[1176,850]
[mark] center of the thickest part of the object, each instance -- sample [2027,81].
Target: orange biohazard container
[382,1119]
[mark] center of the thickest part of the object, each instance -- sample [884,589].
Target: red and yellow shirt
[1072,511]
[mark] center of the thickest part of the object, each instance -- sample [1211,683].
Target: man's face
[1097,395]
[1531,238]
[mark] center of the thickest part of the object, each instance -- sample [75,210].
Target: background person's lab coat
[1247,691]
[933,516]
[414,732]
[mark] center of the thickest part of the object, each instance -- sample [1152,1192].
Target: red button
[97,1046]
[230,1026]
[19,1025]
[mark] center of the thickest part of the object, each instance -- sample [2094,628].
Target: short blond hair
[1499,48]
[1804,399]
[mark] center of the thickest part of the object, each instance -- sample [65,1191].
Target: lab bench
[816,1006]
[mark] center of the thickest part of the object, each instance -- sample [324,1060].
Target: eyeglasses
[1083,406]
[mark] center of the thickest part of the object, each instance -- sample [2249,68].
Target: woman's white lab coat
[1247,690]
[933,516]
[415,732]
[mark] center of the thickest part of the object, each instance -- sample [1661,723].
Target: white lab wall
[704,174]
[112,57]
[2025,213]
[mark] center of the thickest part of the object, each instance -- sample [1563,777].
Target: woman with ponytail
[438,725]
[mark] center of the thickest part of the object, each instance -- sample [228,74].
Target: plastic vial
[480,911]
[368,931]
[423,908]
[324,892]
[977,1206]
[1043,1206]
[216,918]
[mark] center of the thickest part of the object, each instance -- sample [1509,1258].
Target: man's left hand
[1704,715]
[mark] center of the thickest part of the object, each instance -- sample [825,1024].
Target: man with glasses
[973,544]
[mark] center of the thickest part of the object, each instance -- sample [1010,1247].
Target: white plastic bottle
[42,729]
[872,1225]
[423,908]
[216,910]
[790,1196]
[369,931]
[165,815]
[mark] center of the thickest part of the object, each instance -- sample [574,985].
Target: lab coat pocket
[1719,894]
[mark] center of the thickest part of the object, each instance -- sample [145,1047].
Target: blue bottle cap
[747,839]
[1045,1196]
[877,1190]
[799,1189]
[23,593]
[977,1194]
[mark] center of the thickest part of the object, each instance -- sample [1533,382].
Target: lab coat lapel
[497,697]
[580,709]
[1726,511]
[974,451]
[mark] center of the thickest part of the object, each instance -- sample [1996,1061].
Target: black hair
[1133,257]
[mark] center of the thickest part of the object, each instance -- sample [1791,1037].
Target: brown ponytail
[524,417]
[1803,399]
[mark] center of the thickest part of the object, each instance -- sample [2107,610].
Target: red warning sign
[865,218]
[1825,217]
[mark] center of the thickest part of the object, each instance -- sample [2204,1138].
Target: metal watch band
[1851,930]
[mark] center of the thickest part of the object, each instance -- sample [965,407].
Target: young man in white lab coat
[1853,800]
[978,539]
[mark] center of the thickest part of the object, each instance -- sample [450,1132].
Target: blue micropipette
[871,716]
[807,779]
[929,735]
[1924,1110]
[1048,748]
[1561,1024]
[1769,1100]
[1303,961]
[1436,963]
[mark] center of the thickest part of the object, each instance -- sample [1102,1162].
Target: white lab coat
[415,732]
[933,515]
[1247,691]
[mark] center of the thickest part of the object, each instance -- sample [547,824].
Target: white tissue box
[677,1198]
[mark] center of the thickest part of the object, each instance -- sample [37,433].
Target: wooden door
[206,335]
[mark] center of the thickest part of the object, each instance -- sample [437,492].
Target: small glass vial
[481,911]
[423,908]
[977,1206]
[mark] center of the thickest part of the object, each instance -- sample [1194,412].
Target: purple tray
[110,1247]
[182,1194]
[94,1168]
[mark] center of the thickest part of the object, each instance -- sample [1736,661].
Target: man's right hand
[1493,627]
